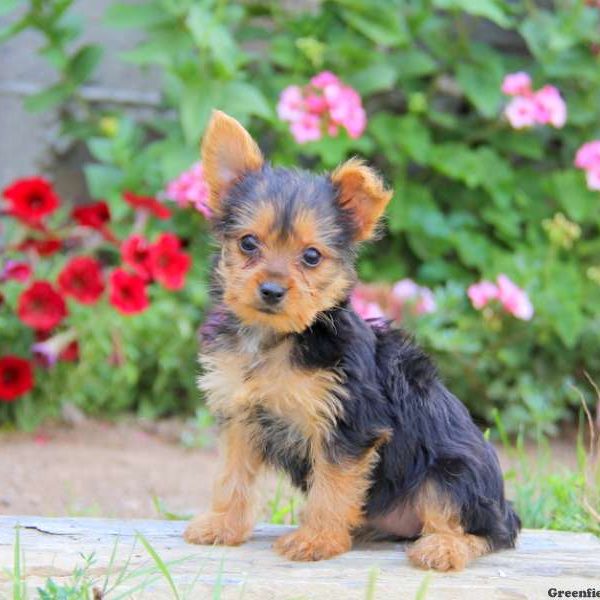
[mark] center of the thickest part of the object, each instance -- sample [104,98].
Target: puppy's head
[287,237]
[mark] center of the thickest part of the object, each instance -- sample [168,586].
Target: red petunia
[31,199]
[41,307]
[82,279]
[95,216]
[148,203]
[46,247]
[169,264]
[16,377]
[71,352]
[128,292]
[135,252]
[16,270]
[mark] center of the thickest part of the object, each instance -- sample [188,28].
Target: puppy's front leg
[232,517]
[333,509]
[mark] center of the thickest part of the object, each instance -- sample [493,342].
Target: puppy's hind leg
[443,545]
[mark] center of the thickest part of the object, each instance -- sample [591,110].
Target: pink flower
[365,308]
[551,107]
[404,290]
[516,84]
[592,177]
[588,156]
[323,79]
[291,104]
[426,302]
[521,112]
[322,107]
[514,299]
[481,293]
[306,129]
[407,292]
[190,187]
[528,108]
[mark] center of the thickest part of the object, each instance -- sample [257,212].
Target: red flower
[96,216]
[31,199]
[16,377]
[148,203]
[81,278]
[41,307]
[127,292]
[169,264]
[71,352]
[17,270]
[135,252]
[46,247]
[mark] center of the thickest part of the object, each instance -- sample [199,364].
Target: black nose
[271,293]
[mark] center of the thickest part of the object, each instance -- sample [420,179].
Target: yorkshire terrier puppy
[352,411]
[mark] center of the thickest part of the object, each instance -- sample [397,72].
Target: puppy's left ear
[228,153]
[363,194]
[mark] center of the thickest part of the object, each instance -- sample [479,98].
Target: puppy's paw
[217,528]
[307,545]
[440,551]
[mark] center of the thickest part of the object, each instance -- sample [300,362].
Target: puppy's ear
[363,194]
[228,152]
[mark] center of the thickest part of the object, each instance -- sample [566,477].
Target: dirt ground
[120,470]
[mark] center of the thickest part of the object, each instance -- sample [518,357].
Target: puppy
[352,411]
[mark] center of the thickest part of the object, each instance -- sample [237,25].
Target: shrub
[483,165]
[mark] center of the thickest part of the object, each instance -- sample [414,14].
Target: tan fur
[228,151]
[232,517]
[333,509]
[237,381]
[363,193]
[309,290]
[444,545]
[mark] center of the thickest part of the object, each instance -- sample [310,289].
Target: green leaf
[377,77]
[208,33]
[139,16]
[413,63]
[196,103]
[413,136]
[494,10]
[245,99]
[522,143]
[83,63]
[481,82]
[49,98]
[385,27]
[103,180]
[570,191]
[101,149]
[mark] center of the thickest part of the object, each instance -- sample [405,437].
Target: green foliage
[472,194]
[549,498]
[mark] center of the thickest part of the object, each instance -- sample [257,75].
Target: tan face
[287,237]
[281,278]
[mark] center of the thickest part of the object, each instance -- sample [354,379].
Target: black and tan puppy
[352,411]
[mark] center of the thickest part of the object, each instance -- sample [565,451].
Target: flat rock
[55,547]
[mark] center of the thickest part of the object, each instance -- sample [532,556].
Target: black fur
[393,386]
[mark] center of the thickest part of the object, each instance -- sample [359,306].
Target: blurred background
[483,115]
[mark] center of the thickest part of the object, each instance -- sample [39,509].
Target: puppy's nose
[271,293]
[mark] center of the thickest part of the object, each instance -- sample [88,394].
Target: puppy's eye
[311,257]
[249,244]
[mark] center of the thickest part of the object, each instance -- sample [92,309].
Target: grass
[549,498]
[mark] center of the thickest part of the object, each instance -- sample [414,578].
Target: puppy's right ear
[228,152]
